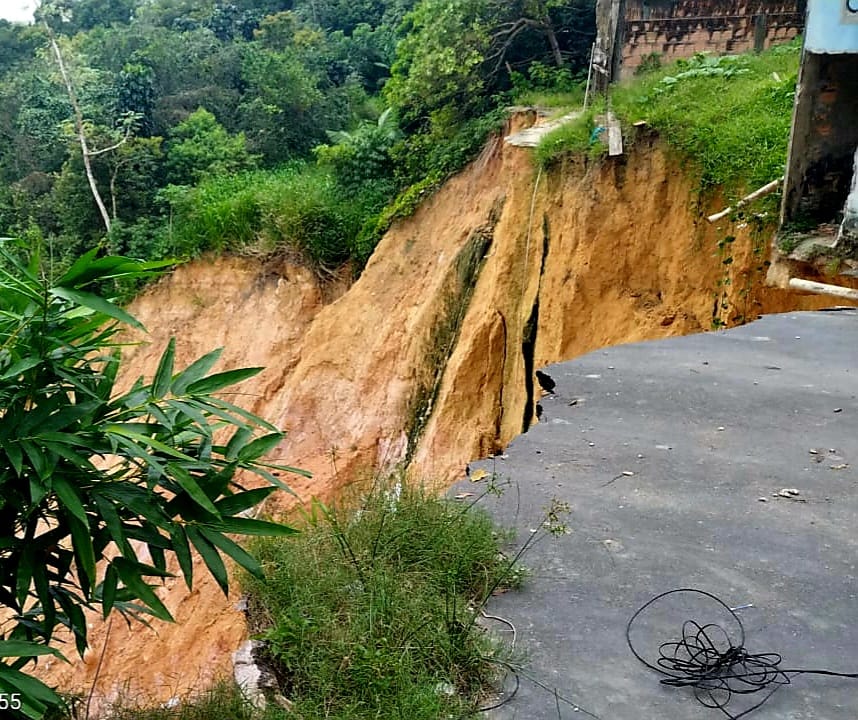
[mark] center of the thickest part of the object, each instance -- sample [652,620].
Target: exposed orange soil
[612,252]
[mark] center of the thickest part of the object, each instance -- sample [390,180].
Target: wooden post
[589,75]
[615,135]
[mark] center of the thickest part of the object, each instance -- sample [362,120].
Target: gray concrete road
[665,452]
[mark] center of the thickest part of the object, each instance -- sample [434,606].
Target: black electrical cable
[518,672]
[706,659]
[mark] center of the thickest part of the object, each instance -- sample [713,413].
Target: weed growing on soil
[374,611]
[578,137]
[731,118]
[221,701]
[371,612]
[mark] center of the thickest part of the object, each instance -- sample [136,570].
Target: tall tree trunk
[555,46]
[79,128]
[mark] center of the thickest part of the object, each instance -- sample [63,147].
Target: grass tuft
[371,613]
[223,700]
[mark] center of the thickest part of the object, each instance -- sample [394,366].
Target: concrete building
[820,186]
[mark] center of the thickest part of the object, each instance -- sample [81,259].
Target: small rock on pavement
[788,493]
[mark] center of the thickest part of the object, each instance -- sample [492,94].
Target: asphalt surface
[671,455]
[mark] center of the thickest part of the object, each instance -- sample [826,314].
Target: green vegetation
[167,104]
[730,116]
[548,87]
[372,612]
[299,207]
[220,702]
[578,137]
[90,477]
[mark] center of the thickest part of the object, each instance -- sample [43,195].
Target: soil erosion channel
[428,359]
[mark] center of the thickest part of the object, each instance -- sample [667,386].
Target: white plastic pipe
[823,289]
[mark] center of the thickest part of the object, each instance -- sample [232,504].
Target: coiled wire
[706,659]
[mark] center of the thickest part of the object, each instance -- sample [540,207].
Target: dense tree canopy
[176,91]
[164,128]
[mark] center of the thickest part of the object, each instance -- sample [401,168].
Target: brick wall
[674,29]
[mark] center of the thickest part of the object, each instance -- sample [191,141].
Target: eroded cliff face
[427,360]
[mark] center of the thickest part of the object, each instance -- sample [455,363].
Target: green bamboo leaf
[227,417]
[134,450]
[26,566]
[37,460]
[183,553]
[108,376]
[99,304]
[84,553]
[155,411]
[19,367]
[21,281]
[108,590]
[87,269]
[23,648]
[249,526]
[237,442]
[40,582]
[137,499]
[69,498]
[68,415]
[234,504]
[259,469]
[187,482]
[260,446]
[135,397]
[218,381]
[131,575]
[38,491]
[234,550]
[225,405]
[286,468]
[164,375]
[114,524]
[75,616]
[192,413]
[67,453]
[210,557]
[35,696]
[159,557]
[15,455]
[81,267]
[148,533]
[195,371]
[143,440]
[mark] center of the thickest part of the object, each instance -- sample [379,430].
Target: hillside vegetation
[728,116]
[257,126]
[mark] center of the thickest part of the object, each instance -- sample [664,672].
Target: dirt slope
[428,358]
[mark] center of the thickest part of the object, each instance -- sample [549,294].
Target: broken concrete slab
[664,451]
[532,136]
